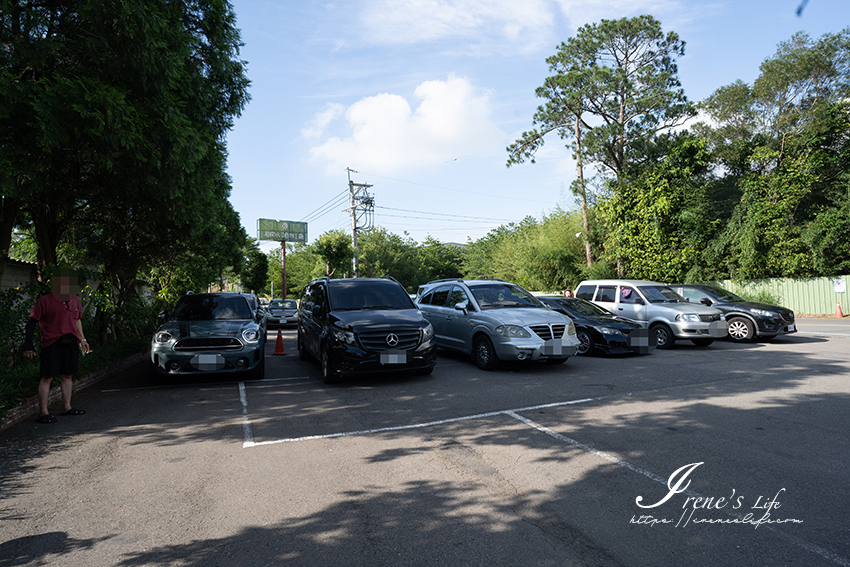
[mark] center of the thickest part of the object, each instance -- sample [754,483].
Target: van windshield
[660,294]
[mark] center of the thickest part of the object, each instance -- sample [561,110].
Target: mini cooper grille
[788,317]
[547,332]
[709,318]
[207,343]
[404,340]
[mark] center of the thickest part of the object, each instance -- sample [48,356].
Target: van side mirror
[317,310]
[163,316]
[640,301]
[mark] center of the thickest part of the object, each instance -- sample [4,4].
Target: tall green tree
[119,108]
[614,84]
[383,253]
[659,216]
[336,251]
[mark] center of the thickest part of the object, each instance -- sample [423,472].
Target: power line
[442,215]
[335,201]
[489,195]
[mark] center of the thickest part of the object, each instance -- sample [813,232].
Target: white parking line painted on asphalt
[808,546]
[246,443]
[247,431]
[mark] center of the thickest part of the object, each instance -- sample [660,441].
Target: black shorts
[61,357]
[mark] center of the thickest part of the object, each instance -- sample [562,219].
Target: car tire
[702,342]
[663,336]
[585,343]
[328,375]
[556,360]
[484,354]
[741,329]
[302,351]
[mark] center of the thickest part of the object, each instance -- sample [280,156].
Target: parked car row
[372,325]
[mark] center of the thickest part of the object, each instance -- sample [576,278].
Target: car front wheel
[484,354]
[327,372]
[663,336]
[702,342]
[741,329]
[585,342]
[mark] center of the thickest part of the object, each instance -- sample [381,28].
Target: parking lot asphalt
[526,465]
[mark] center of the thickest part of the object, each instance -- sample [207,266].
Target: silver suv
[658,307]
[493,320]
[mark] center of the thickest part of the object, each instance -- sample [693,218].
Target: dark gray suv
[363,326]
[747,319]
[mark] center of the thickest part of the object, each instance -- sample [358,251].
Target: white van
[657,307]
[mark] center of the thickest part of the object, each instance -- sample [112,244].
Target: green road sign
[279,231]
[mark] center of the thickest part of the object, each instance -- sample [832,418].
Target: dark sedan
[747,319]
[599,330]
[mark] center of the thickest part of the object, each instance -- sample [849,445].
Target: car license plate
[553,347]
[791,328]
[208,362]
[394,357]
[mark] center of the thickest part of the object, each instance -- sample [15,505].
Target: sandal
[73,411]
[46,418]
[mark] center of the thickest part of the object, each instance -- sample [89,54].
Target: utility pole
[362,210]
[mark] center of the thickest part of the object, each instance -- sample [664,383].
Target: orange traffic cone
[838,313]
[278,347]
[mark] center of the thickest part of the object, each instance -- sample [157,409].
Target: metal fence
[809,296]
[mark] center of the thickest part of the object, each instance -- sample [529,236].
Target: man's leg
[44,394]
[67,387]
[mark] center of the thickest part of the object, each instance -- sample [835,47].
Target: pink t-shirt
[55,318]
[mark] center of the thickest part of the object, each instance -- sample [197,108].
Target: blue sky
[421,97]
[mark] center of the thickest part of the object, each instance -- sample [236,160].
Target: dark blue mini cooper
[209,332]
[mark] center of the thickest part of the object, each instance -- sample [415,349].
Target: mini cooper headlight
[346,337]
[162,337]
[513,331]
[691,317]
[251,335]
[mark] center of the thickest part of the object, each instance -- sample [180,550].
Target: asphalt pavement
[734,454]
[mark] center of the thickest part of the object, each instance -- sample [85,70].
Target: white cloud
[320,121]
[384,133]
[473,21]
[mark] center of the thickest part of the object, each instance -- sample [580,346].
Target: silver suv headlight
[691,317]
[512,331]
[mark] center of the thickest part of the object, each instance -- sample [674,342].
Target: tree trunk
[9,208]
[582,194]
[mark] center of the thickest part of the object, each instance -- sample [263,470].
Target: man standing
[59,315]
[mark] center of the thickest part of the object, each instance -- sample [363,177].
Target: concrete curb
[29,407]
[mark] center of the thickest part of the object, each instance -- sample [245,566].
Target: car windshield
[502,295]
[210,307]
[283,304]
[582,307]
[363,294]
[660,294]
[722,294]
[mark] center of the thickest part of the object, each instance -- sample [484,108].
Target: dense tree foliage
[112,129]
